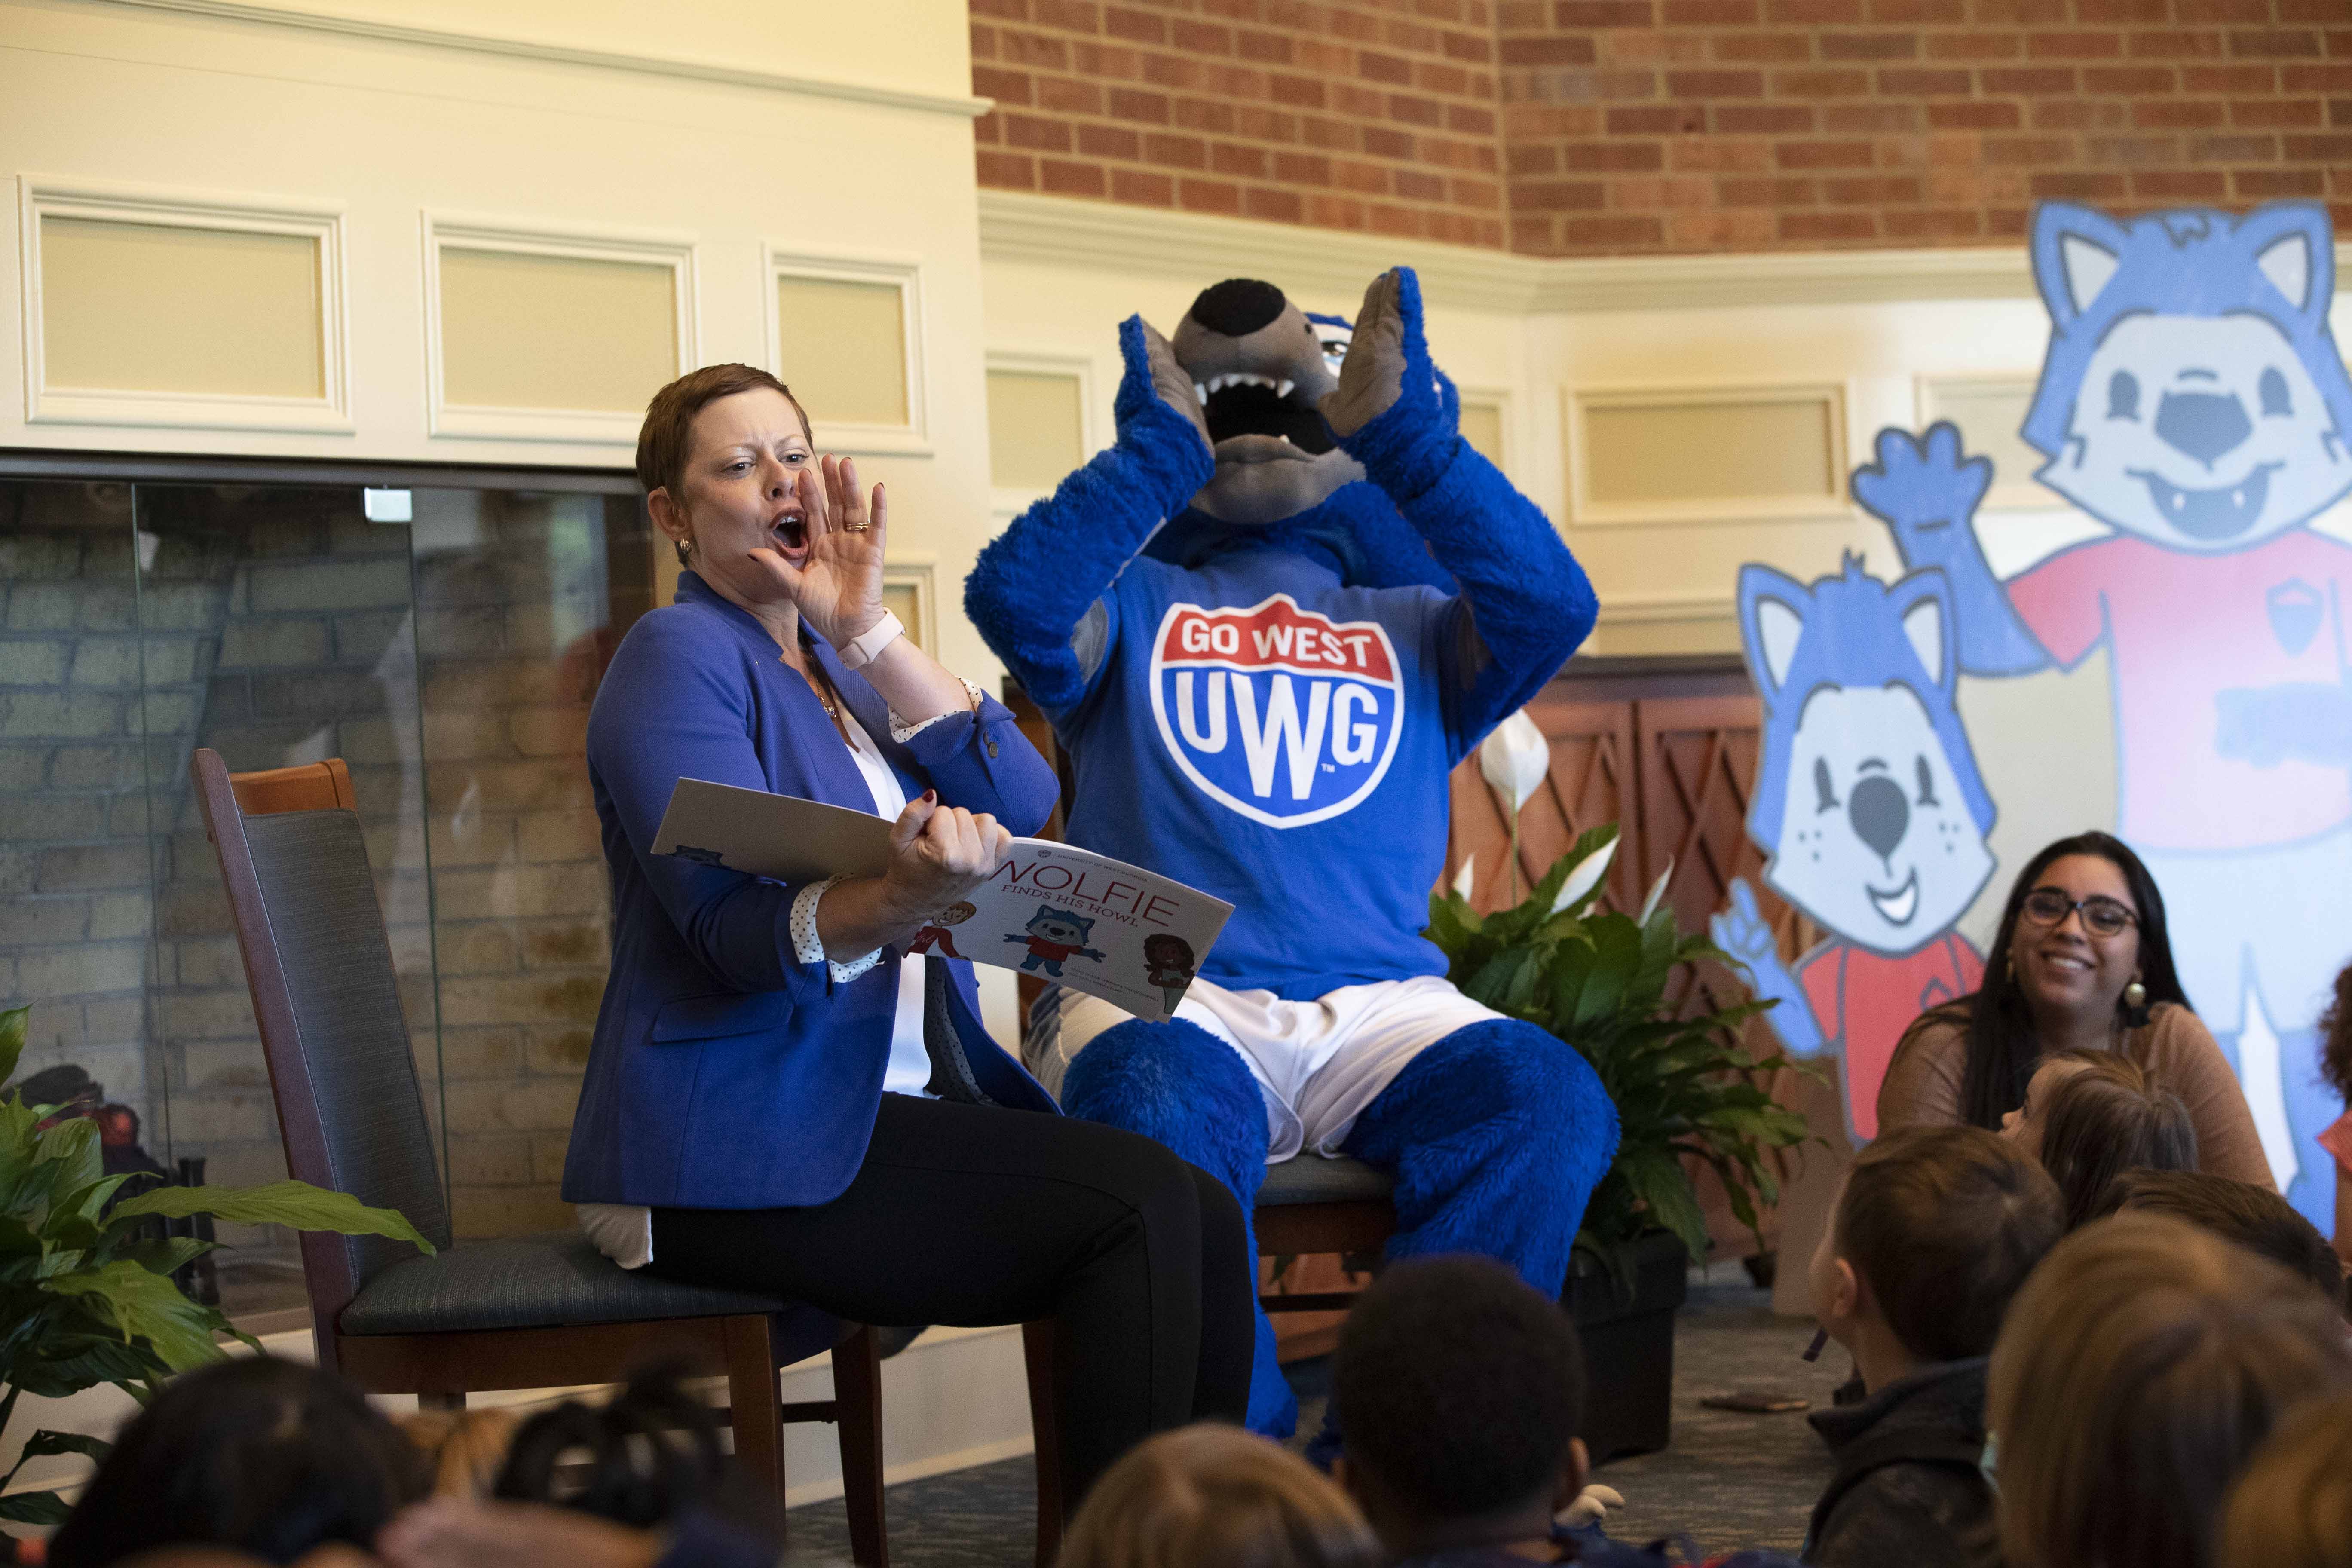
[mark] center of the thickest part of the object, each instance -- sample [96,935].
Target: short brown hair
[1944,1224]
[1212,1494]
[666,437]
[2292,1507]
[2107,1120]
[2336,1036]
[2142,1362]
[2249,1215]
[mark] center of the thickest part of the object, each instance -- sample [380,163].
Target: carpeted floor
[1728,1479]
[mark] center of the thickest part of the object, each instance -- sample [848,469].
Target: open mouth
[2222,512]
[789,531]
[1241,403]
[1897,907]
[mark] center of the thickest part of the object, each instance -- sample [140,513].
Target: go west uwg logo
[1287,716]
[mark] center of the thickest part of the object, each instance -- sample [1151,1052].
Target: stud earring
[2135,997]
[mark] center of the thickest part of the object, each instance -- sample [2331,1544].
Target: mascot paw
[1590,1507]
[1387,342]
[1153,385]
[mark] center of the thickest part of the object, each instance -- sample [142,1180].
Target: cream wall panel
[554,332]
[1706,454]
[1990,410]
[180,309]
[1036,425]
[136,307]
[846,333]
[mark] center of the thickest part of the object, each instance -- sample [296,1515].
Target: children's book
[1097,925]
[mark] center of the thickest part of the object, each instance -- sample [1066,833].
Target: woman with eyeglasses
[2081,962]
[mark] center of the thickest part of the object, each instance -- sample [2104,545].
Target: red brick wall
[1668,125]
[1378,117]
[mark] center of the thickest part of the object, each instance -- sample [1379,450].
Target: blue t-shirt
[1261,732]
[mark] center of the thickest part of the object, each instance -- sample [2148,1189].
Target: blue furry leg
[1496,1137]
[1180,1085]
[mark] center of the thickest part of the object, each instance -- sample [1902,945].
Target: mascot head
[1261,366]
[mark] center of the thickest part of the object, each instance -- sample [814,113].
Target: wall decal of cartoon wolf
[1869,806]
[2194,401]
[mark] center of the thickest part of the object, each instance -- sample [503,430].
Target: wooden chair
[530,1311]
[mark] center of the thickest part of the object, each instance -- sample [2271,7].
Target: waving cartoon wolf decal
[1869,802]
[2194,401]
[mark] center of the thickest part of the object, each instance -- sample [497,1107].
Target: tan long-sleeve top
[1922,1086]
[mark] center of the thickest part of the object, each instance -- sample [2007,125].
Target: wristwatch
[866,647]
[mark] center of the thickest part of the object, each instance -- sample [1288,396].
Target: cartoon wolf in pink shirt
[2194,401]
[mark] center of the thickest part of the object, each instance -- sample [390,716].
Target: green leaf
[147,1306]
[165,1253]
[34,1508]
[46,1443]
[12,1040]
[74,1144]
[298,1205]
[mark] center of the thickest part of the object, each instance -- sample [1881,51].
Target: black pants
[973,1216]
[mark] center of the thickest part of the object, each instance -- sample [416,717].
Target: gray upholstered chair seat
[1312,1179]
[554,1279]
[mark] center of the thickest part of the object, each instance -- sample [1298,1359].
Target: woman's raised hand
[839,588]
[938,854]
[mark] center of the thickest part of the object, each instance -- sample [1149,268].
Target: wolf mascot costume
[1263,698]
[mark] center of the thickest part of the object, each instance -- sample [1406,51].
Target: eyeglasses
[2101,917]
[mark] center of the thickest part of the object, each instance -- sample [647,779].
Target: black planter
[1629,1346]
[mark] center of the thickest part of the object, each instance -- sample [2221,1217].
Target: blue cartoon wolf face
[1867,796]
[2192,393]
[1060,926]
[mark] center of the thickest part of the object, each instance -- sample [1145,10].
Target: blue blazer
[724,1073]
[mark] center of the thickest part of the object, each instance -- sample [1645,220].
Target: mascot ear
[2075,251]
[1772,611]
[2290,242]
[1923,603]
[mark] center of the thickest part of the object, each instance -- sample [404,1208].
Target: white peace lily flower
[1587,875]
[1657,891]
[1467,877]
[1516,760]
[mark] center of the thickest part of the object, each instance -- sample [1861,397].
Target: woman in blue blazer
[778,1098]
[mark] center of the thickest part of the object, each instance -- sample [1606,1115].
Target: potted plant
[85,1290]
[1683,1086]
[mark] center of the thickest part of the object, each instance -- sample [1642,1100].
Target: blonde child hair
[1213,1494]
[2292,1507]
[2140,1365]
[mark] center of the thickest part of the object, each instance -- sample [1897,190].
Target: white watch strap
[865,649]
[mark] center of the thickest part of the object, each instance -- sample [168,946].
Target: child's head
[1935,1229]
[266,1457]
[2024,1124]
[1211,1494]
[2251,1216]
[2141,1364]
[1460,1390]
[2105,1119]
[2292,1507]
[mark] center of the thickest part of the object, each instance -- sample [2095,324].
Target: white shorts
[1318,1064]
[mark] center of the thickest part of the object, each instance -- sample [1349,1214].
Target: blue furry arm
[1034,582]
[1927,495]
[1524,603]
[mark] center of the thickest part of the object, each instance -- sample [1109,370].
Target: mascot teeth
[1899,906]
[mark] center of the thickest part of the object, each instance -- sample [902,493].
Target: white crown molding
[1019,226]
[963,105]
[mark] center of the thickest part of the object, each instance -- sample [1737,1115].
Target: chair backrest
[328,1002]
